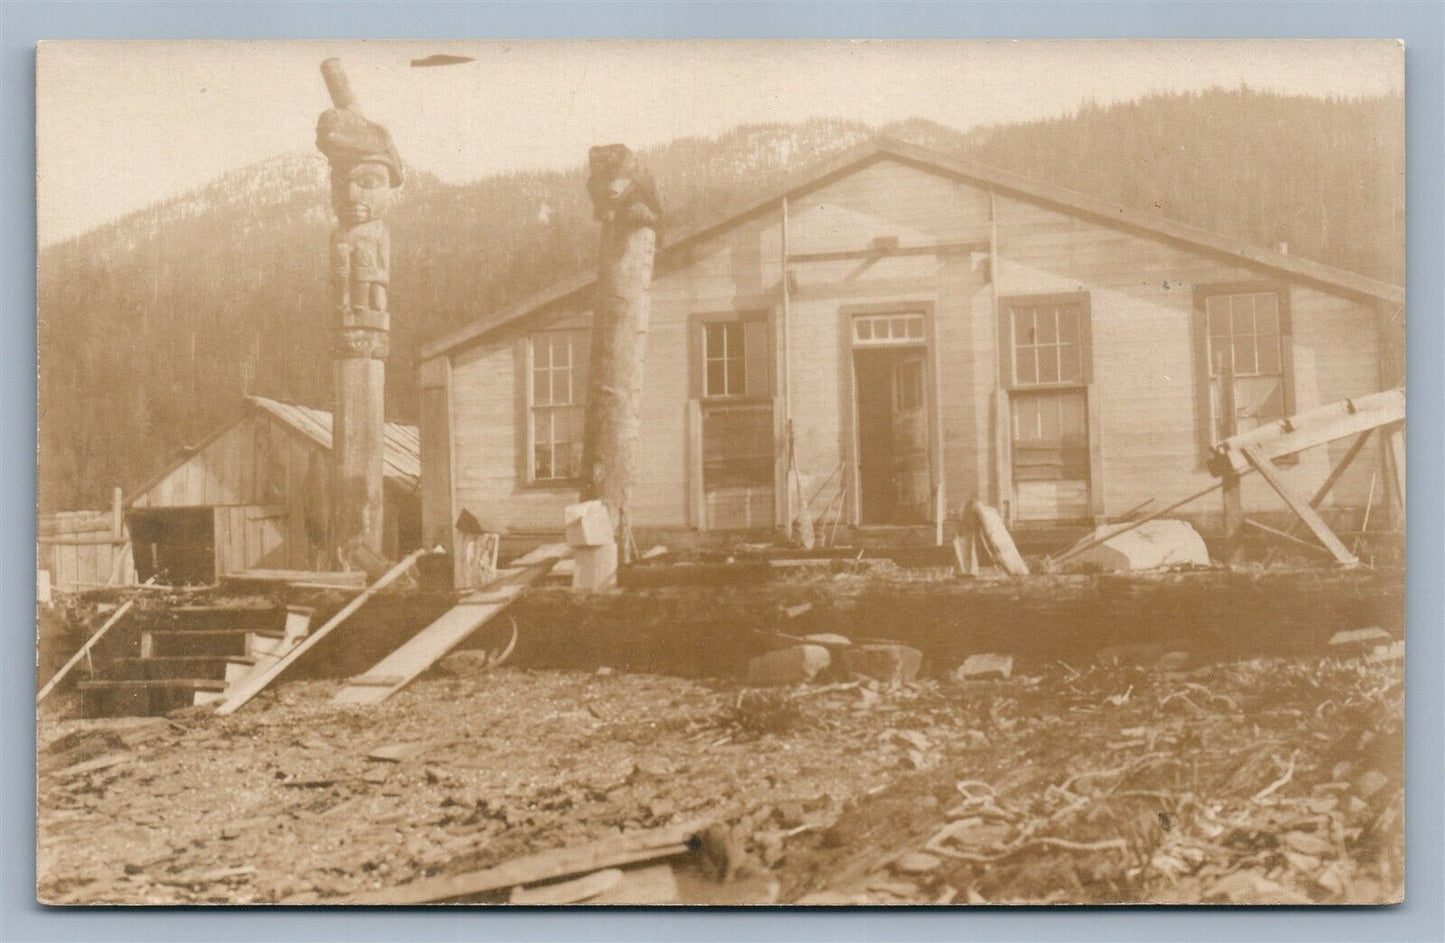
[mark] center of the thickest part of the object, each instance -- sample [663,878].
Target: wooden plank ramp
[428,646]
[254,684]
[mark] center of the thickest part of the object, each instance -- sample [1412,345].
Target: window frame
[697,354]
[528,460]
[1007,355]
[1204,406]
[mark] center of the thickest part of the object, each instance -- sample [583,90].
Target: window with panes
[558,392]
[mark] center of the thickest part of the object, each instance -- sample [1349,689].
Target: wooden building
[255,495]
[935,332]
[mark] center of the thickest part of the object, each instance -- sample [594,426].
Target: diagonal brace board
[1299,504]
[424,649]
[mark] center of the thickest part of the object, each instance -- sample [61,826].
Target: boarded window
[1248,330]
[558,391]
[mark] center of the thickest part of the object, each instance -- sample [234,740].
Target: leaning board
[424,649]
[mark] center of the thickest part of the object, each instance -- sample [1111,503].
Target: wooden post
[117,518]
[624,200]
[365,171]
[1233,501]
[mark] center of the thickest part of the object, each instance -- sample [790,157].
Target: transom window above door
[871,330]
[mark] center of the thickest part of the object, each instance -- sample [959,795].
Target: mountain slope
[152,326]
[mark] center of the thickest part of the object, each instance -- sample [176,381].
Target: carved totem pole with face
[365,172]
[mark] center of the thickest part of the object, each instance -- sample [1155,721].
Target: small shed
[256,494]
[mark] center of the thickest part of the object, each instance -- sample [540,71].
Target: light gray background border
[1420,24]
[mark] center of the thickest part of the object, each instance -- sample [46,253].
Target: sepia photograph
[720,473]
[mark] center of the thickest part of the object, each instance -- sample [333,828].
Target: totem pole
[625,201]
[365,171]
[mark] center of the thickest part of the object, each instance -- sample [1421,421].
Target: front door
[893,466]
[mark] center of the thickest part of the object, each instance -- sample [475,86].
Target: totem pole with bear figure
[365,172]
[625,202]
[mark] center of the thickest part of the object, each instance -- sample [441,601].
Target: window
[1048,344]
[733,378]
[735,358]
[558,391]
[1044,360]
[1248,330]
[726,361]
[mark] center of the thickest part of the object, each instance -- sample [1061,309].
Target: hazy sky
[122,125]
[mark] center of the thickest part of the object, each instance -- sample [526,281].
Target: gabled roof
[402,455]
[401,458]
[1009,184]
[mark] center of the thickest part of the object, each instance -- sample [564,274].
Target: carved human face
[361,193]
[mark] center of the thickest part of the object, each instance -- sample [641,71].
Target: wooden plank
[1300,506]
[630,848]
[424,649]
[999,541]
[252,685]
[883,252]
[103,539]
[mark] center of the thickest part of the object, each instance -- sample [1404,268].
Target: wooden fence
[85,549]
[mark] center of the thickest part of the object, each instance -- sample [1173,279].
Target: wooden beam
[1310,428]
[883,252]
[1229,420]
[254,684]
[1260,463]
[1283,535]
[1341,467]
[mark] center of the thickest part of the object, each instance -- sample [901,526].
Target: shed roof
[812,177]
[401,458]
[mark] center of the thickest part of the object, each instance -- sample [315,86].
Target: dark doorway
[176,546]
[892,410]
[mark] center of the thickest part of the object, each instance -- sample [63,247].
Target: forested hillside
[153,326]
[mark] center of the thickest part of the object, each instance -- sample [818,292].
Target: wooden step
[214,643]
[143,698]
[178,667]
[265,617]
